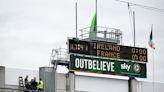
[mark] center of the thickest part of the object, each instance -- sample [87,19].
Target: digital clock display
[109,50]
[81,47]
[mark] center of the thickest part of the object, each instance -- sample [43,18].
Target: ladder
[21,81]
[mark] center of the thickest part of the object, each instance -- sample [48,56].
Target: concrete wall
[70,84]
[47,74]
[99,84]
[2,76]
[61,82]
[150,86]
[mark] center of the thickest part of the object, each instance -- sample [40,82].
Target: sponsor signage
[107,49]
[107,66]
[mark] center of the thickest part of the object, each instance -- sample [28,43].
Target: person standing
[30,84]
[26,84]
[40,85]
[34,84]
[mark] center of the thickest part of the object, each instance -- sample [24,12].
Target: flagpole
[153,62]
[153,58]
[134,29]
[76,17]
[96,14]
[132,78]
[153,73]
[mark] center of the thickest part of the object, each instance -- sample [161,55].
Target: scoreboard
[107,49]
[85,63]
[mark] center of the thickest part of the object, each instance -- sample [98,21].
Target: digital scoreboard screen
[107,49]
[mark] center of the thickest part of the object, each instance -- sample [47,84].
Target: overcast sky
[30,29]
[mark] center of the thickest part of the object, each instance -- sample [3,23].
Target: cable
[148,7]
[143,6]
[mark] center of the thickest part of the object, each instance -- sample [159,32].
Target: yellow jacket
[40,86]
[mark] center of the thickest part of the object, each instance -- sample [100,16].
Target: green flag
[92,32]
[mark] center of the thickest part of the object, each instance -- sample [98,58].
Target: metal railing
[17,90]
[60,54]
[103,32]
[59,57]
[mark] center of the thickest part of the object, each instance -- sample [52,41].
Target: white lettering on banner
[81,65]
[110,66]
[89,63]
[85,65]
[125,66]
[77,63]
[94,64]
[97,67]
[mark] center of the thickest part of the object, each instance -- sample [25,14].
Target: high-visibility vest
[40,86]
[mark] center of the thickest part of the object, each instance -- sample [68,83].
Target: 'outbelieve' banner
[107,66]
